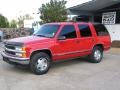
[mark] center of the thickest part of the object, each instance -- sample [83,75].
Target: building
[102,11]
[31,24]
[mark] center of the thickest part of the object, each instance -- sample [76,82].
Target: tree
[21,21]
[13,24]
[3,22]
[54,11]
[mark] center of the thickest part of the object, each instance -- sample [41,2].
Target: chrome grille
[9,52]
[12,47]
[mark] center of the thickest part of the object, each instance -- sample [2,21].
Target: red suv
[58,41]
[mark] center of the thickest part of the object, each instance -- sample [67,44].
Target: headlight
[21,55]
[18,48]
[22,52]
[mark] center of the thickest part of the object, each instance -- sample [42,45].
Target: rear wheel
[96,55]
[40,63]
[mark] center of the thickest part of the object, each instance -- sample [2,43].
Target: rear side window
[101,30]
[68,31]
[84,30]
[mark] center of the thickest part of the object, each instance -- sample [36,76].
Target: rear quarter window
[101,30]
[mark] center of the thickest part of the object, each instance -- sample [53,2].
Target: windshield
[47,31]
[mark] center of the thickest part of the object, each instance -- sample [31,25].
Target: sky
[14,8]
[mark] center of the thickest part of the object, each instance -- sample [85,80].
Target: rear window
[101,30]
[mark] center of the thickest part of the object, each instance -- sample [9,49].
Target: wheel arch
[99,45]
[42,50]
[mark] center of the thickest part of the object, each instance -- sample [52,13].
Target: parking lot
[75,74]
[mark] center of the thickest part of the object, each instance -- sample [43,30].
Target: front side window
[47,30]
[84,30]
[68,32]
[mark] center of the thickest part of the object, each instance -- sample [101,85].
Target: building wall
[114,31]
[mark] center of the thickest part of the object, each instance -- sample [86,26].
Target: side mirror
[61,38]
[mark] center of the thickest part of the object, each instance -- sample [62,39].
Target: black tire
[0,39]
[36,60]
[92,57]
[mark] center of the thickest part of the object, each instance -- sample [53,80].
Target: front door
[67,48]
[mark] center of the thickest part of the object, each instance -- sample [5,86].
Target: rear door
[86,38]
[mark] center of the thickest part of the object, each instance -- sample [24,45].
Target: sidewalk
[114,51]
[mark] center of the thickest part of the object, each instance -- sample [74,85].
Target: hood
[29,40]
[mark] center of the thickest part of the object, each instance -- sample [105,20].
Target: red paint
[64,49]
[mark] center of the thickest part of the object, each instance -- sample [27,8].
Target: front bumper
[15,60]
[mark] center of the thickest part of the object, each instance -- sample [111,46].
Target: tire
[0,39]
[40,63]
[96,55]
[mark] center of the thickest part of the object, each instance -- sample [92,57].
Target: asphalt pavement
[77,74]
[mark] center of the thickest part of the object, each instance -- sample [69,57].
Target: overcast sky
[14,8]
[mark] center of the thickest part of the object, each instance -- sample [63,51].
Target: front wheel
[40,63]
[96,55]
